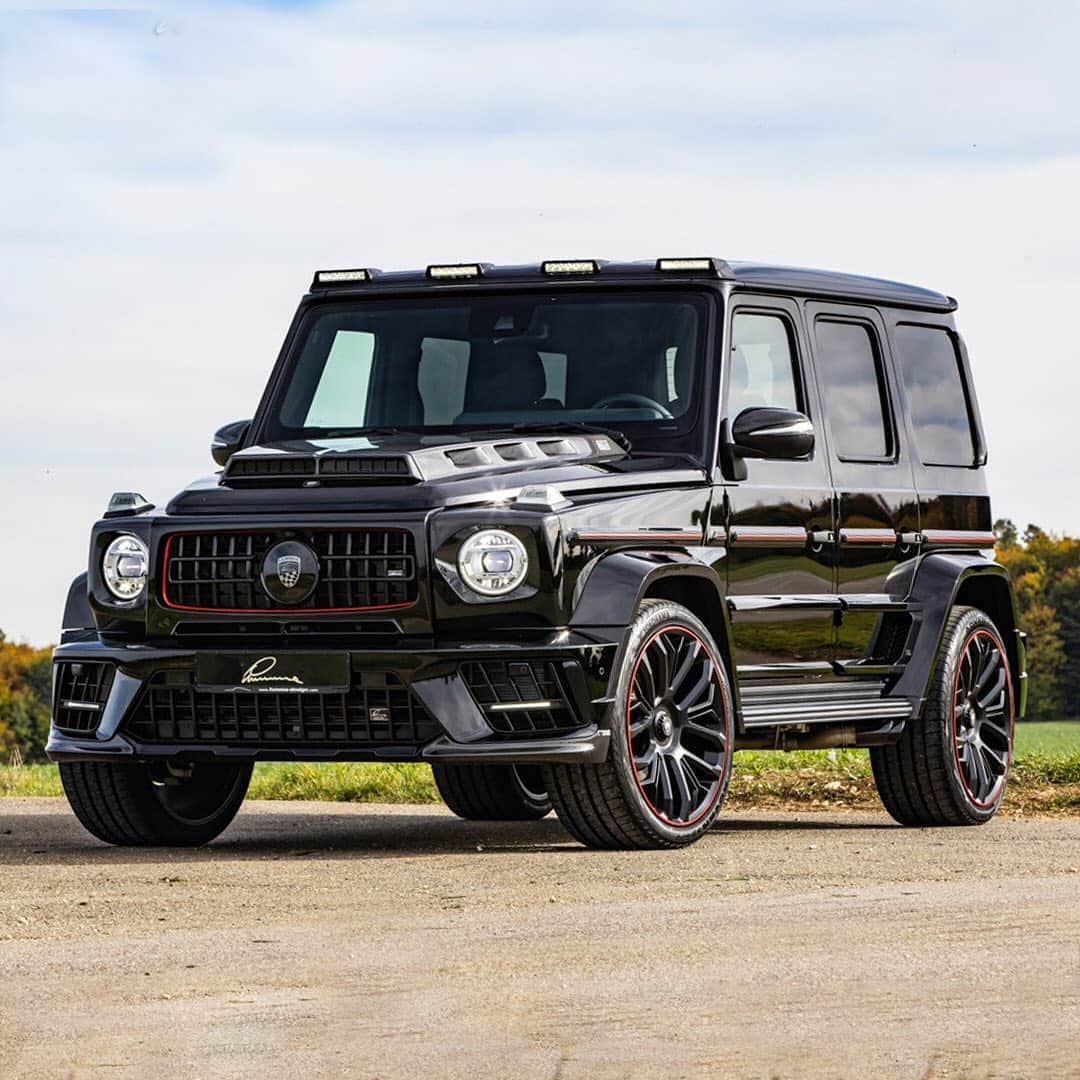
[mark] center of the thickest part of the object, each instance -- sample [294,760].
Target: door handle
[821,538]
[910,539]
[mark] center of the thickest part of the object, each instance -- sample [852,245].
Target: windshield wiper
[555,426]
[354,432]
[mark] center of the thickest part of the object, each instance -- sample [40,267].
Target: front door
[877,510]
[778,521]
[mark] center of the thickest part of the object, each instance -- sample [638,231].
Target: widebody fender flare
[940,582]
[611,591]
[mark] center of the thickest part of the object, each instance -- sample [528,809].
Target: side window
[440,379]
[762,364]
[342,392]
[853,384]
[934,386]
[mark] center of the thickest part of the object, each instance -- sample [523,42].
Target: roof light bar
[459,270]
[571,266]
[684,265]
[340,277]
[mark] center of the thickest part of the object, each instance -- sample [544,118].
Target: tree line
[1045,569]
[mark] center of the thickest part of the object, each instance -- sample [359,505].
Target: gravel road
[376,941]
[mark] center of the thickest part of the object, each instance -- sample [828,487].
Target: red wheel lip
[1000,785]
[727,726]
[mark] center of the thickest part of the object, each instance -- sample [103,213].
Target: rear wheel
[134,804]
[951,765]
[493,792]
[671,741]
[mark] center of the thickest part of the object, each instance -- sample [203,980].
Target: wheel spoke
[996,692]
[997,761]
[690,655]
[690,758]
[715,736]
[682,787]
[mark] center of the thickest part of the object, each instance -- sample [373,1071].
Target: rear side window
[853,381]
[937,400]
[762,364]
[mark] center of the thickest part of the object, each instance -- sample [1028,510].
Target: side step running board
[828,703]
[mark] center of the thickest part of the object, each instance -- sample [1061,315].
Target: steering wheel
[633,400]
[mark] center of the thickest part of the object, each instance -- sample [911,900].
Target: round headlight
[125,566]
[493,562]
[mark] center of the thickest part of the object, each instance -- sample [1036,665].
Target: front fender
[610,592]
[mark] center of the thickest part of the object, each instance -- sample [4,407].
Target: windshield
[629,361]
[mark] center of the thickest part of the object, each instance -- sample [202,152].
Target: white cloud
[167,194]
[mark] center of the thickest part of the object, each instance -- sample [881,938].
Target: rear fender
[941,582]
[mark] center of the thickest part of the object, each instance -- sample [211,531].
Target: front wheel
[141,805]
[671,741]
[480,792]
[951,764]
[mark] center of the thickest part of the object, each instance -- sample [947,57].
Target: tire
[139,805]
[649,793]
[951,765]
[493,792]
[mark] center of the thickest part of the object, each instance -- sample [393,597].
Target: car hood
[414,472]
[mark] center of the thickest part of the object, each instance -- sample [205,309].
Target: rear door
[876,506]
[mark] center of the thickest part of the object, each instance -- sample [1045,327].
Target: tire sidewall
[972,621]
[651,618]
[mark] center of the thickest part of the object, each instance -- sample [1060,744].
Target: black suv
[573,534]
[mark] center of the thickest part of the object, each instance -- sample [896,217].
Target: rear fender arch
[941,582]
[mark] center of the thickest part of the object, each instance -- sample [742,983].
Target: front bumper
[458,723]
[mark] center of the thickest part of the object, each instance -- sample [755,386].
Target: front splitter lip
[586,746]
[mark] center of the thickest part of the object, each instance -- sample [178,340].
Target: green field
[1046,755]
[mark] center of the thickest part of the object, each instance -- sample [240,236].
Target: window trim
[965,388]
[885,395]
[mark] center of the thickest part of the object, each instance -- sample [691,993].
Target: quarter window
[762,364]
[937,401]
[849,362]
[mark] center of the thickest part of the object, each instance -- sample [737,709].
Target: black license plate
[269,672]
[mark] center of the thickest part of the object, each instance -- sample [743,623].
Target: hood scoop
[296,470]
[318,466]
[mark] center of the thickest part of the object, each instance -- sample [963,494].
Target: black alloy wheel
[982,717]
[672,737]
[135,804]
[678,741]
[951,764]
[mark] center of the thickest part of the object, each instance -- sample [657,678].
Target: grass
[1046,778]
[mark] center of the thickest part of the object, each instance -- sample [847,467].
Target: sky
[171,177]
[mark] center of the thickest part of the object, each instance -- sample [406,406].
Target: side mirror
[772,433]
[227,440]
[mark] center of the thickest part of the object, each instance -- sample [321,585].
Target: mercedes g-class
[573,534]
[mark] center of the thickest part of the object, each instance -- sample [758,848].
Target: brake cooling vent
[82,688]
[520,697]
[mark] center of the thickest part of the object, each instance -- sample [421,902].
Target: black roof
[754,275]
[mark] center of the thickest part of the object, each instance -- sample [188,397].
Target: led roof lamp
[570,266]
[455,271]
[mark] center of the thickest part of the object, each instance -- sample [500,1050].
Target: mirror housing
[228,439]
[780,434]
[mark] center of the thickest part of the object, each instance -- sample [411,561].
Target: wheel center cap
[663,725]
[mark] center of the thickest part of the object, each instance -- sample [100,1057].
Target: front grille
[358,569]
[82,688]
[500,688]
[380,711]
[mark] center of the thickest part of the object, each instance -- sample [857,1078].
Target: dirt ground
[372,941]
